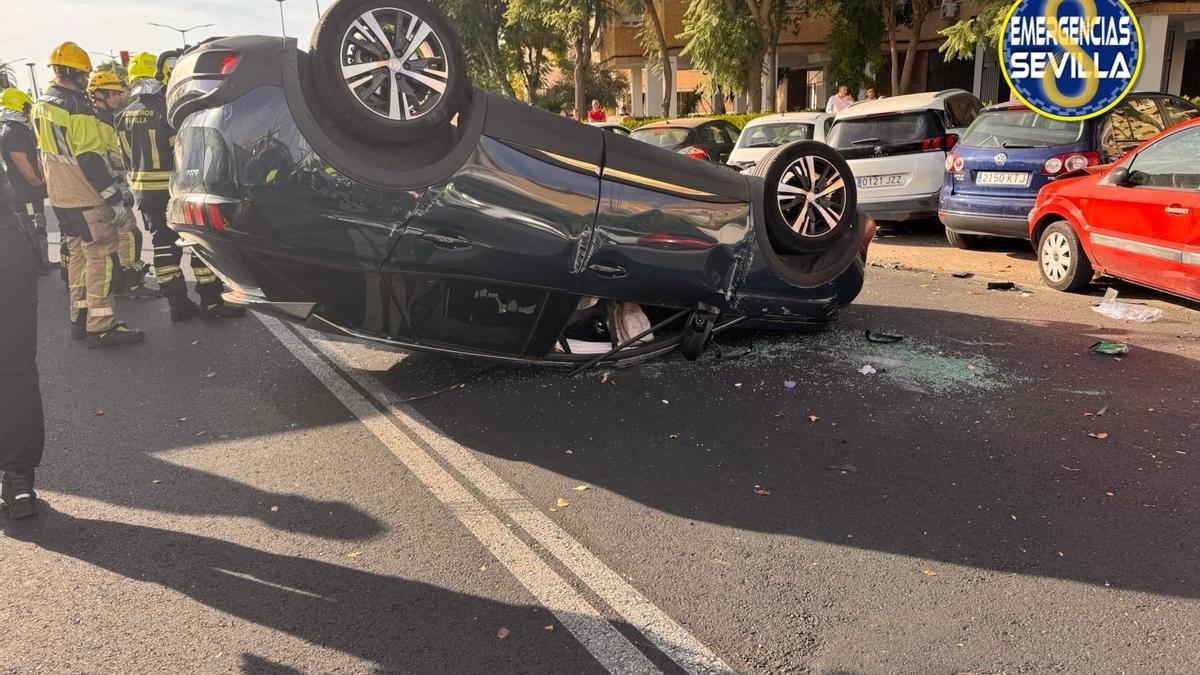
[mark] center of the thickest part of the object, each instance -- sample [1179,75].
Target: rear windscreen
[663,138]
[774,134]
[885,130]
[1020,128]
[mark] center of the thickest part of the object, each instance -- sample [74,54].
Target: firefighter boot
[18,494]
[212,306]
[118,335]
[182,308]
[79,326]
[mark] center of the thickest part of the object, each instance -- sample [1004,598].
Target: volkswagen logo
[1001,159]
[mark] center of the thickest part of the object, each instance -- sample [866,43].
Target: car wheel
[389,70]
[1062,260]
[811,197]
[696,335]
[966,242]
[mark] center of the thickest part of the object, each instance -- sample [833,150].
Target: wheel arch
[1048,217]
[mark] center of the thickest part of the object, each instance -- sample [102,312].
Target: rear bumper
[909,208]
[988,216]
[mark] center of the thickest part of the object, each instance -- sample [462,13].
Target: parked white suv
[764,134]
[897,149]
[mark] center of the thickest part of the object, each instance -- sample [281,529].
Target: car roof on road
[687,122]
[894,104]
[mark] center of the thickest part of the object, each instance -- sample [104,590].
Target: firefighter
[85,199]
[147,140]
[22,429]
[107,92]
[18,149]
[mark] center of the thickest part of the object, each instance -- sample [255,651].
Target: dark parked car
[363,187]
[697,137]
[1010,153]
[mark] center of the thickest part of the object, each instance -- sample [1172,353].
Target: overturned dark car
[365,188]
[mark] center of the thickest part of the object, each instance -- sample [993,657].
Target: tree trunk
[754,73]
[770,70]
[920,12]
[664,56]
[889,22]
[506,86]
[583,57]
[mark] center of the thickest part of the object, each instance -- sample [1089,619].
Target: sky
[31,28]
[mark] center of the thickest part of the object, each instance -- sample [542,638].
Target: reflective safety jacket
[148,144]
[73,150]
[112,144]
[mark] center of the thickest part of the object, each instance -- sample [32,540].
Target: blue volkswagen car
[1009,152]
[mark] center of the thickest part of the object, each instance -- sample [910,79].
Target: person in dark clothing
[18,149]
[22,427]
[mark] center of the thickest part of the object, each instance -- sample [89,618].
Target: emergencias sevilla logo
[1071,59]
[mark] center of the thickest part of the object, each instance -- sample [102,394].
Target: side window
[1116,135]
[1178,110]
[731,133]
[1146,119]
[828,125]
[1169,163]
[961,110]
[709,134]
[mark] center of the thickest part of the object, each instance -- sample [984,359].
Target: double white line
[423,449]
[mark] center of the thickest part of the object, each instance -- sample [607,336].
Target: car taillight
[694,152]
[955,162]
[228,63]
[1070,161]
[946,142]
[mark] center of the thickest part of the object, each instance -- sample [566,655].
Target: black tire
[696,335]
[398,101]
[804,224]
[967,242]
[1061,259]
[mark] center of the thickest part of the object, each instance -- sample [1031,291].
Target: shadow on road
[403,626]
[1004,478]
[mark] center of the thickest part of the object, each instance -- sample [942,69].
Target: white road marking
[407,431]
[609,647]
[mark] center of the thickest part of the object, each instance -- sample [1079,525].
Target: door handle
[443,240]
[1176,210]
[608,271]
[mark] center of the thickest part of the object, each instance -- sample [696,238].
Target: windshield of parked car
[663,137]
[775,134]
[891,129]
[1020,128]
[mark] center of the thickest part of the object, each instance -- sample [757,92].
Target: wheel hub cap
[812,196]
[395,64]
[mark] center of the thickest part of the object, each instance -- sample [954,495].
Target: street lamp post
[182,31]
[33,79]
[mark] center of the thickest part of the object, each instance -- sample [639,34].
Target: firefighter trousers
[129,249]
[168,256]
[22,432]
[91,238]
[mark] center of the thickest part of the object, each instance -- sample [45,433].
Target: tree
[918,12]
[580,22]
[531,45]
[984,28]
[116,67]
[482,26]
[720,38]
[654,44]
[600,84]
[855,33]
[8,77]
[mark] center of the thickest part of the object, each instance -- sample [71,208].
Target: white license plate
[1017,178]
[887,180]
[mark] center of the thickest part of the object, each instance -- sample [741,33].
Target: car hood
[748,155]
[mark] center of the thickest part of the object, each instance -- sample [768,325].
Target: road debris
[549,628]
[354,554]
[581,487]
[1125,311]
[868,370]
[1099,436]
[962,275]
[789,384]
[843,468]
[562,502]
[604,377]
[1001,286]
[502,632]
[99,413]
[1110,348]
[422,397]
[274,508]
[929,573]
[1099,413]
[813,418]
[882,338]
[761,491]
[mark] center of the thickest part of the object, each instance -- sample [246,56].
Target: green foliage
[600,84]
[8,77]
[739,121]
[855,33]
[116,67]
[984,28]
[719,41]
[481,28]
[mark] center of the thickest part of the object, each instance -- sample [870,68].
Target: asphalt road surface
[249,497]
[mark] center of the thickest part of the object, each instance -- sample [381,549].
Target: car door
[1146,231]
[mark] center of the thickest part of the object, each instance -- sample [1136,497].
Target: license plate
[887,180]
[1017,178]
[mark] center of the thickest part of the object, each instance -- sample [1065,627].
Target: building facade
[1171,33]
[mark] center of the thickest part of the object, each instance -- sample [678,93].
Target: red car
[1137,219]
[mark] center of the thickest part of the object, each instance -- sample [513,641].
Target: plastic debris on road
[843,468]
[868,370]
[761,491]
[790,384]
[1110,348]
[1125,311]
[963,275]
[883,338]
[1001,286]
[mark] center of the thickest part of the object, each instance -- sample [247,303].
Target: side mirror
[1119,176]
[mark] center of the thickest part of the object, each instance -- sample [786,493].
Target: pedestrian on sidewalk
[597,114]
[22,428]
[839,101]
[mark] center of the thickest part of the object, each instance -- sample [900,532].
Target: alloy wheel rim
[1056,257]
[812,196]
[395,64]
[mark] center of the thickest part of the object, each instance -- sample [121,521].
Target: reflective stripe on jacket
[147,141]
[73,150]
